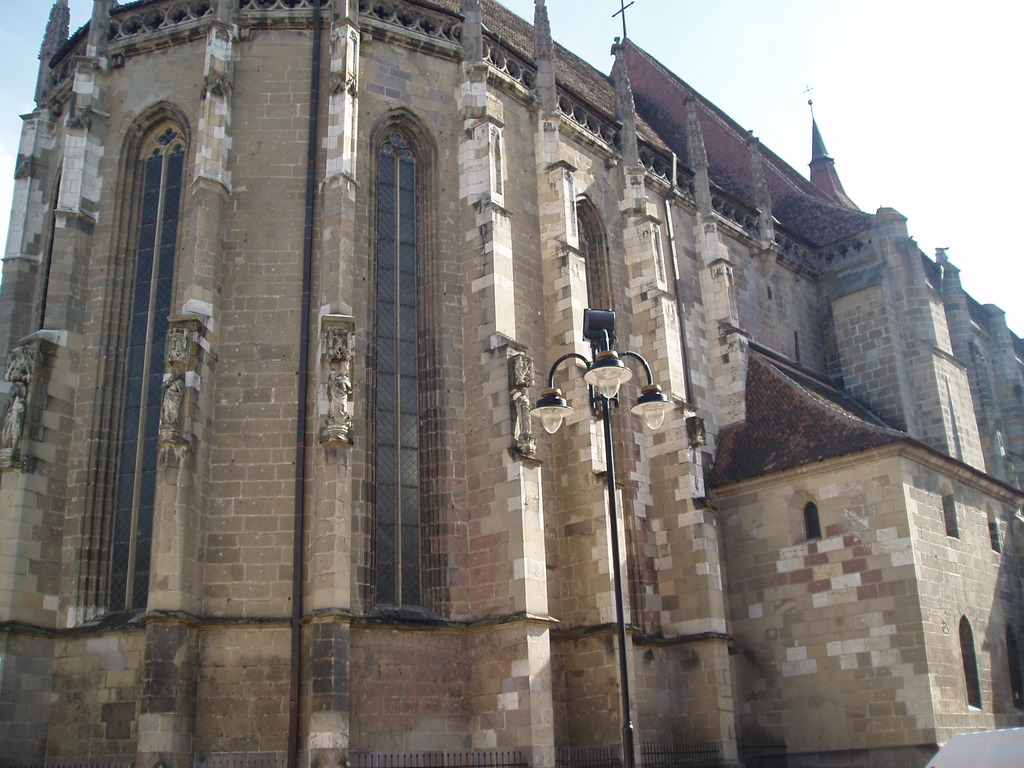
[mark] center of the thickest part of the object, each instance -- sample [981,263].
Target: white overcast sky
[917,101]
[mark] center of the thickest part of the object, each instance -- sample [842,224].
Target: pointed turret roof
[57,30]
[823,169]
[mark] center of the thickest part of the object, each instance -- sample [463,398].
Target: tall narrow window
[970,663]
[155,239]
[812,524]
[595,255]
[949,515]
[1016,671]
[397,503]
[993,529]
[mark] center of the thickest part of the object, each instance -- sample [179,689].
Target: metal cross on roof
[810,101]
[622,12]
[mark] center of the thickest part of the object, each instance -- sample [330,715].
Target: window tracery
[397,382]
[160,165]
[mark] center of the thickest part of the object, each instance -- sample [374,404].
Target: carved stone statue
[338,347]
[170,406]
[521,379]
[339,389]
[14,425]
[21,364]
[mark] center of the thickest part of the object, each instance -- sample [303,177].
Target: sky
[914,98]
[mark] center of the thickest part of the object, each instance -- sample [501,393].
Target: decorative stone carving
[14,425]
[217,84]
[25,167]
[338,339]
[181,347]
[80,117]
[521,380]
[696,433]
[21,364]
[170,408]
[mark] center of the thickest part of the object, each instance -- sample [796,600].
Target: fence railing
[101,761]
[681,754]
[486,758]
[754,752]
[763,752]
[588,757]
[240,760]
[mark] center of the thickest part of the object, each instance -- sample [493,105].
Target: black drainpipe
[301,399]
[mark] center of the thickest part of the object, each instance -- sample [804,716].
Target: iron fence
[681,754]
[486,758]
[763,752]
[239,760]
[99,761]
[754,752]
[588,757]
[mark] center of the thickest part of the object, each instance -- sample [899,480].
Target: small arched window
[1016,672]
[160,165]
[812,524]
[970,660]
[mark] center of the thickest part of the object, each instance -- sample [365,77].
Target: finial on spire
[57,31]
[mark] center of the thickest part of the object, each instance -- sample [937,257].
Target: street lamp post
[606,372]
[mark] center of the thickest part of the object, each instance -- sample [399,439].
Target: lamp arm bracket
[562,359]
[643,362]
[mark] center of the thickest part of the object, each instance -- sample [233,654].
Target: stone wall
[863,679]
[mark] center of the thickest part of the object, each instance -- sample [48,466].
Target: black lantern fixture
[605,373]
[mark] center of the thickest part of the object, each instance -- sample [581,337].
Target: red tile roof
[792,419]
[799,206]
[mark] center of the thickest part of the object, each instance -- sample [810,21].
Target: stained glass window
[396,395]
[160,168]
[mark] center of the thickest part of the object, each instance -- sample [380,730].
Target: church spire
[57,30]
[823,167]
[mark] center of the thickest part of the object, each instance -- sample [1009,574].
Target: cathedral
[288,287]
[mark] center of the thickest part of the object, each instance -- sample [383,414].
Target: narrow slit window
[949,516]
[970,660]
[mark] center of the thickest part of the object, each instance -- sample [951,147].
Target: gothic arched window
[594,250]
[160,168]
[396,445]
[970,660]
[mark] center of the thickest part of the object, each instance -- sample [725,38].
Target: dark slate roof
[798,205]
[793,418]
